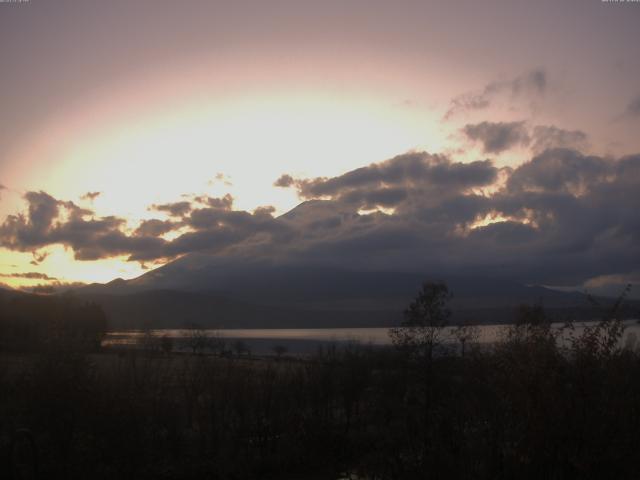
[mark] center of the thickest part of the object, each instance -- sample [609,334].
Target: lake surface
[307,340]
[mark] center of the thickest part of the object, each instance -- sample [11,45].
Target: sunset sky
[494,138]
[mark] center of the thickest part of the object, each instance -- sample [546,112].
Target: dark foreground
[524,409]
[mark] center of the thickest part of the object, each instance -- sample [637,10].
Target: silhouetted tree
[216,343]
[147,341]
[420,333]
[197,339]
[466,333]
[240,347]
[424,320]
[166,343]
[602,339]
[36,322]
[279,350]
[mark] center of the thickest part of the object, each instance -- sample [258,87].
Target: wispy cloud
[545,137]
[29,276]
[529,85]
[633,108]
[90,196]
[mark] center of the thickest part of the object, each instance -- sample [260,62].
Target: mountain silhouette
[218,292]
[231,292]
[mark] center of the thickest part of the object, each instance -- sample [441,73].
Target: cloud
[53,288]
[224,203]
[562,170]
[42,289]
[562,217]
[633,108]
[266,210]
[49,221]
[176,209]
[386,183]
[155,228]
[38,257]
[284,181]
[497,137]
[221,178]
[529,85]
[546,137]
[29,275]
[632,277]
[613,285]
[90,196]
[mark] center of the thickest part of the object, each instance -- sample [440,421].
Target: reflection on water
[301,340]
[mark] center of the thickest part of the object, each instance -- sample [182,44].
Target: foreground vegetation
[524,408]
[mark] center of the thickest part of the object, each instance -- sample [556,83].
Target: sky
[490,138]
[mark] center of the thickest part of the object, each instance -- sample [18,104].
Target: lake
[307,340]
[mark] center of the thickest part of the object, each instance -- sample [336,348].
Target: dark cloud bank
[498,137]
[561,218]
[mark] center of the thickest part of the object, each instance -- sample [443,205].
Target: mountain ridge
[267,296]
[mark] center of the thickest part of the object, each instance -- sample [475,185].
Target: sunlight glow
[251,140]
[488,219]
[238,145]
[61,266]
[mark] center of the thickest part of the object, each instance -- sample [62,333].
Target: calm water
[304,340]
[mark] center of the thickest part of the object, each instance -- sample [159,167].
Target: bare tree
[603,339]
[280,350]
[147,341]
[197,339]
[419,335]
[424,320]
[240,347]
[466,333]
[166,343]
